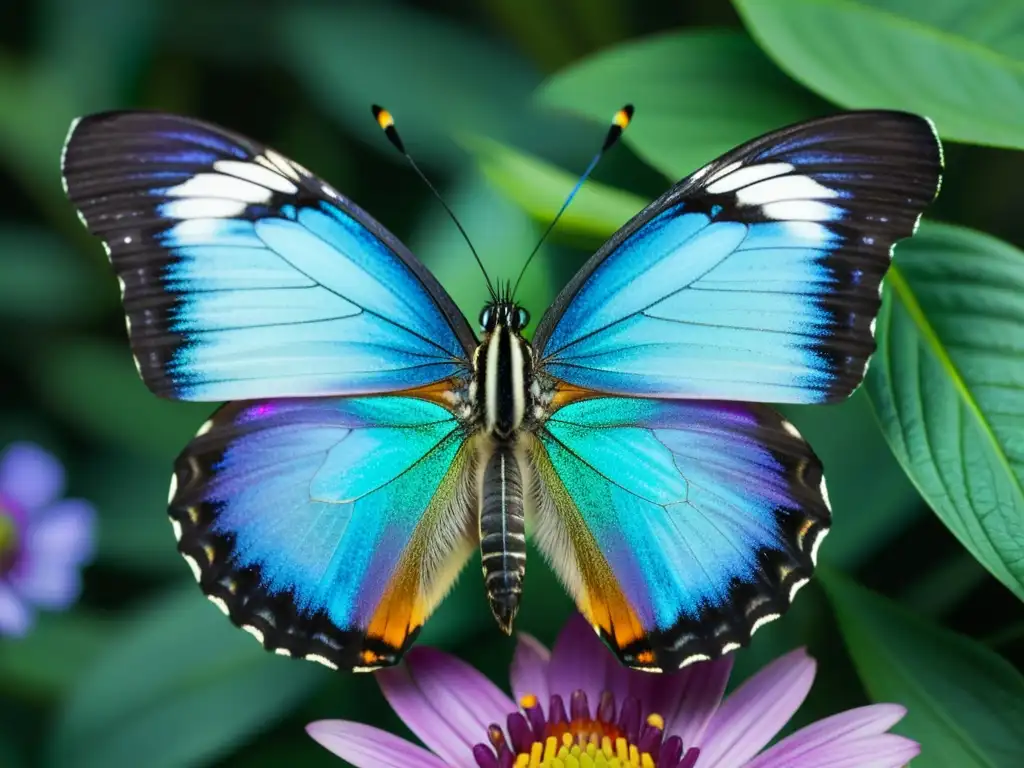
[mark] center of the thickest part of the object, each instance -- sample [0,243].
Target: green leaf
[539,188]
[179,686]
[698,93]
[43,280]
[95,385]
[948,385]
[48,661]
[965,704]
[960,62]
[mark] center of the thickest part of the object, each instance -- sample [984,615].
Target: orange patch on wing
[440,392]
[602,600]
[567,393]
[401,611]
[408,601]
[606,606]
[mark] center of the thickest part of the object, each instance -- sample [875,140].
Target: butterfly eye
[523,318]
[487,319]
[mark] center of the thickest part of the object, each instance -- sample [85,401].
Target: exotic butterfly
[374,441]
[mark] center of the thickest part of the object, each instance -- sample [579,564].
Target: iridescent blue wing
[245,276]
[328,528]
[756,278]
[679,527]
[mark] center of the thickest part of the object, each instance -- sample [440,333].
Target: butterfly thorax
[502,371]
[501,392]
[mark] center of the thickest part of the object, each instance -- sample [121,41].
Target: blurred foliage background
[144,671]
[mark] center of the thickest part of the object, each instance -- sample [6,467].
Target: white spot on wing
[797,586]
[254,632]
[207,426]
[194,566]
[174,488]
[219,603]
[282,164]
[824,494]
[282,652]
[790,429]
[800,210]
[730,647]
[694,659]
[177,529]
[219,185]
[724,171]
[257,174]
[784,188]
[766,619]
[746,176]
[365,669]
[321,660]
[816,545]
[203,208]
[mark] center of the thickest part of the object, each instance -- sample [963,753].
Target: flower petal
[529,671]
[580,661]
[698,696]
[15,615]
[445,702]
[854,738]
[756,711]
[29,476]
[368,747]
[58,540]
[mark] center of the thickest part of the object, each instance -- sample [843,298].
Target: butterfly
[373,441]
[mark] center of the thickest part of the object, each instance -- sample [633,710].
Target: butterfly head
[504,313]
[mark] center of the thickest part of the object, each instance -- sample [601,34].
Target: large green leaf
[539,188]
[698,93]
[179,686]
[961,62]
[965,704]
[948,385]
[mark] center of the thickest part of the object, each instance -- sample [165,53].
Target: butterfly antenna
[387,124]
[619,124]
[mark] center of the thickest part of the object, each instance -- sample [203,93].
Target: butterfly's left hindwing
[244,276]
[327,528]
[679,527]
[757,278]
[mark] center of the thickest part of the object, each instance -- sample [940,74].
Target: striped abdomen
[503,534]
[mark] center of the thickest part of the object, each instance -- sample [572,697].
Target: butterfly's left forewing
[244,276]
[328,528]
[679,527]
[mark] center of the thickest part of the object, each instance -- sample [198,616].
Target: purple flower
[578,700]
[44,539]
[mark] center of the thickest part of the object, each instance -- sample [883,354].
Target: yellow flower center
[575,739]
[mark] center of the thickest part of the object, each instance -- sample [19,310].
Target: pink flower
[578,702]
[44,539]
